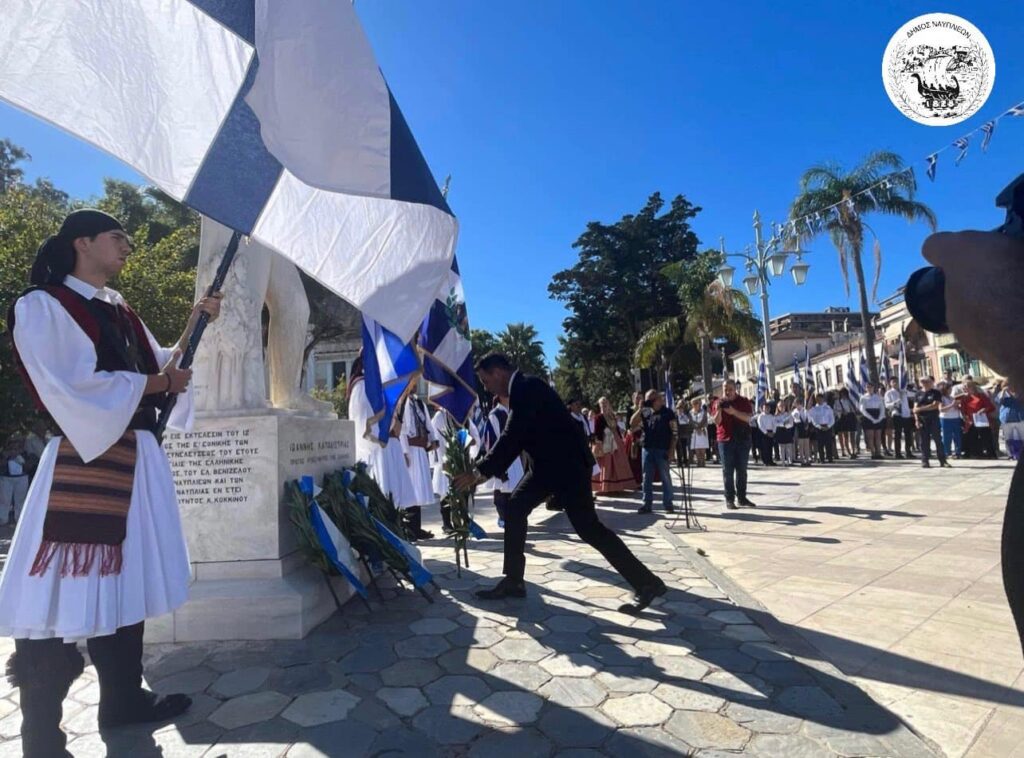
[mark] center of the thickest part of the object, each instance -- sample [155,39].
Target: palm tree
[822,187]
[520,343]
[710,309]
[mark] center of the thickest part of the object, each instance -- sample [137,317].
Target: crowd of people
[19,460]
[948,419]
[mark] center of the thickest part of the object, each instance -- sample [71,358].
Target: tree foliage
[826,185]
[520,343]
[617,291]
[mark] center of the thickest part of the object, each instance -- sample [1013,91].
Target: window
[828,377]
[839,374]
[817,347]
[339,372]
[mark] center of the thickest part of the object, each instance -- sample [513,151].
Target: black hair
[55,258]
[493,361]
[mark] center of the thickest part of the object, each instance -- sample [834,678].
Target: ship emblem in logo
[938,69]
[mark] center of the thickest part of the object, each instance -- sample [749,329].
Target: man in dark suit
[560,467]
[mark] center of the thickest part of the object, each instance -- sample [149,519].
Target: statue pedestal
[249,580]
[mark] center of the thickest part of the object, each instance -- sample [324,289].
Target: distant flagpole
[901,371]
[809,385]
[762,384]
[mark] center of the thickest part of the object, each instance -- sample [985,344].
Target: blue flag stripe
[238,174]
[411,179]
[237,15]
[327,545]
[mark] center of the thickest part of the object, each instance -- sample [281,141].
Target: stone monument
[255,430]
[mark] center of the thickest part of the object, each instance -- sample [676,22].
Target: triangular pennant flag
[933,161]
[961,145]
[988,127]
[1017,110]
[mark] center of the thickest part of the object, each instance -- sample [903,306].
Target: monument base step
[284,607]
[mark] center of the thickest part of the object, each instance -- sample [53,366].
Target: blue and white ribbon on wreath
[417,571]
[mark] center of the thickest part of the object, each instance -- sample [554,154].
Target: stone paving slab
[559,673]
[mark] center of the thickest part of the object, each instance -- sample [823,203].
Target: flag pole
[192,345]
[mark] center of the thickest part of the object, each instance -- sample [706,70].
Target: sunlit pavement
[892,573]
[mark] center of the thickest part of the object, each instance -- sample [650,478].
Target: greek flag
[884,370]
[852,385]
[391,367]
[272,118]
[797,380]
[961,145]
[809,384]
[933,162]
[1017,110]
[987,128]
[762,385]
[446,350]
[669,399]
[865,375]
[901,369]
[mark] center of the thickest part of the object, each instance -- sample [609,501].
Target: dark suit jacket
[540,426]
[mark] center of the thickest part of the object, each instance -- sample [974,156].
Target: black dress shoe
[730,505]
[670,509]
[644,597]
[747,503]
[644,509]
[146,708]
[505,588]
[423,534]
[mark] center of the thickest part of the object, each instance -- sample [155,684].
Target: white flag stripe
[323,105]
[341,544]
[75,64]
[388,258]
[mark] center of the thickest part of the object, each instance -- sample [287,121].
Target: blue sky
[551,114]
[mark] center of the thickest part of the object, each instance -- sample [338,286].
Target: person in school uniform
[93,566]
[803,429]
[785,433]
[872,408]
[898,406]
[766,426]
[823,419]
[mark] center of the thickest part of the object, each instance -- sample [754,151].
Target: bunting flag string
[815,222]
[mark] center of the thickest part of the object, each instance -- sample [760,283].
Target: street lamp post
[768,259]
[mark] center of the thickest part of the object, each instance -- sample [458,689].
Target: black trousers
[978,442]
[826,444]
[928,431]
[1013,548]
[903,427]
[575,496]
[44,671]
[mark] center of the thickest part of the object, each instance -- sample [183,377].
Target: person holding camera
[732,414]
[660,432]
[984,312]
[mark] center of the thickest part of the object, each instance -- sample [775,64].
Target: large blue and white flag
[762,385]
[444,343]
[336,547]
[272,118]
[852,385]
[797,379]
[391,367]
[670,401]
[865,374]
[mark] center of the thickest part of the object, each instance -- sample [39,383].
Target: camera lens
[925,294]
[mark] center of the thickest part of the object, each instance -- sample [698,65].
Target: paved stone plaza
[893,574]
[706,671]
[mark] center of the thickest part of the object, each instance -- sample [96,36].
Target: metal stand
[686,511]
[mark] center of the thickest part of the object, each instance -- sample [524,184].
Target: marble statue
[229,370]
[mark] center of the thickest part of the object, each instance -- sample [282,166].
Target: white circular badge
[938,69]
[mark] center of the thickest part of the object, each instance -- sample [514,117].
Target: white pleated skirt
[419,473]
[389,469]
[155,573]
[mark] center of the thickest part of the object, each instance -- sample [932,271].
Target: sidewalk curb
[904,741]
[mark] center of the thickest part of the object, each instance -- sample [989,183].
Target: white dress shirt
[822,415]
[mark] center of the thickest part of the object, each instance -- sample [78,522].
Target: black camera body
[925,292]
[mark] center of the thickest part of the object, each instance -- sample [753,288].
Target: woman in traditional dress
[699,437]
[615,473]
